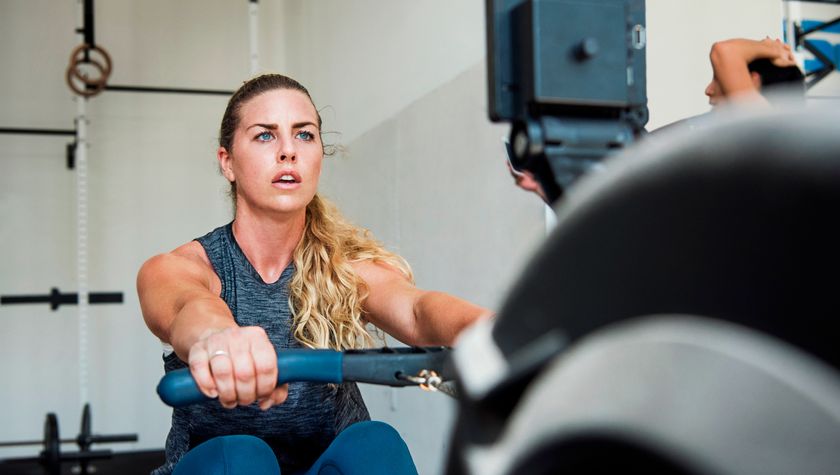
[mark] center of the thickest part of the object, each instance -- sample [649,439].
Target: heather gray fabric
[298,430]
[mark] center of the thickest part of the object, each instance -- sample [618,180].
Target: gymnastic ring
[88,89]
[75,60]
[105,69]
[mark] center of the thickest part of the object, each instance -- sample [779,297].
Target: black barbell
[51,456]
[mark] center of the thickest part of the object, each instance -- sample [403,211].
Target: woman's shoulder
[189,258]
[192,251]
[187,262]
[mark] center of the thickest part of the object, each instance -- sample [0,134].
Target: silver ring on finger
[218,353]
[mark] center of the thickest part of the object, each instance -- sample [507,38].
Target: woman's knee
[372,434]
[229,455]
[368,447]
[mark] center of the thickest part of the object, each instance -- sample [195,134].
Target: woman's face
[277,153]
[714,93]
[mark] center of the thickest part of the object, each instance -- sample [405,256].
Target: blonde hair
[325,294]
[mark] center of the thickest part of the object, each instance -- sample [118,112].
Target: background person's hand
[782,55]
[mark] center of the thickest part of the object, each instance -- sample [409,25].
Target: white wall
[403,81]
[367,59]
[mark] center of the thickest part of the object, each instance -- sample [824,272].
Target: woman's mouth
[287,179]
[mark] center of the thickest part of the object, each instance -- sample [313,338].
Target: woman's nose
[287,152]
[711,89]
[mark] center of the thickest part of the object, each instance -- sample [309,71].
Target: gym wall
[417,162]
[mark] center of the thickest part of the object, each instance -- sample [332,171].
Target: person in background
[747,70]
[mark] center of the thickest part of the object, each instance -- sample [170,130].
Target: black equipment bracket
[570,77]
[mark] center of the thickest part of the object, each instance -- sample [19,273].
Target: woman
[288,272]
[746,70]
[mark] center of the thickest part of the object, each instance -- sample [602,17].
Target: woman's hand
[239,365]
[780,53]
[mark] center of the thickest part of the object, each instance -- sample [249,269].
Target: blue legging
[364,448]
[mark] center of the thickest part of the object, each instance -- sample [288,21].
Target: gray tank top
[298,430]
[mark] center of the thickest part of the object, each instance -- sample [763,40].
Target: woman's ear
[225,162]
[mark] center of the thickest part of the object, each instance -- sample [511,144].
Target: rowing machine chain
[427,380]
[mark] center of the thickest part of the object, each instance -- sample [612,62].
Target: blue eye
[265,136]
[305,135]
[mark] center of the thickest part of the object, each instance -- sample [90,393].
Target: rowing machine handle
[177,388]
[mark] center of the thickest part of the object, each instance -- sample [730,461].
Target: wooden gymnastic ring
[88,89]
[105,69]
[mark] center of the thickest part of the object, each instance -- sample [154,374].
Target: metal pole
[88,23]
[168,90]
[253,10]
[82,231]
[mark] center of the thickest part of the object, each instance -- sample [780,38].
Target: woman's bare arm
[411,315]
[179,297]
[730,60]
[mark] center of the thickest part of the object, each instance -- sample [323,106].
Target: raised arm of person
[411,315]
[730,60]
[179,298]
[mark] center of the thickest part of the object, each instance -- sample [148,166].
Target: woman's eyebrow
[296,125]
[265,126]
